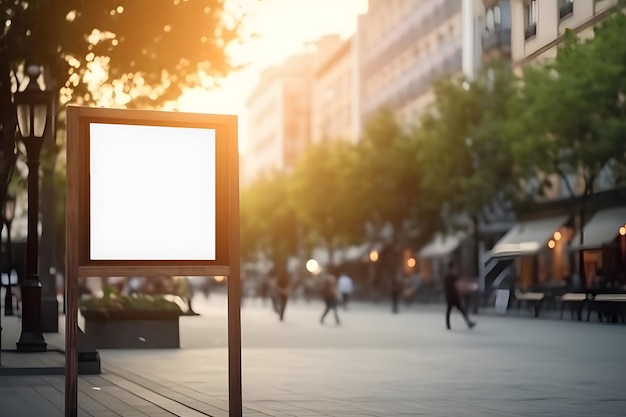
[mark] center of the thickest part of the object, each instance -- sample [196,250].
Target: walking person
[453,298]
[264,288]
[329,293]
[346,287]
[281,292]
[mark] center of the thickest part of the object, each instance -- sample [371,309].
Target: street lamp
[33,107]
[8,212]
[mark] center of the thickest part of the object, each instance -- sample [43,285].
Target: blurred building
[402,46]
[279,117]
[334,101]
[537,27]
[492,30]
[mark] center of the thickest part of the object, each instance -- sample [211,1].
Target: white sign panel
[152,192]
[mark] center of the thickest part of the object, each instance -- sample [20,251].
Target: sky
[282,28]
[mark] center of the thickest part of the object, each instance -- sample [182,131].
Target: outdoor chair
[532,299]
[575,302]
[611,307]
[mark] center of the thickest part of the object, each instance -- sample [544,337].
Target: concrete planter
[132,329]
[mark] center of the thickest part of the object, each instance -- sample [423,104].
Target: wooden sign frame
[79,264]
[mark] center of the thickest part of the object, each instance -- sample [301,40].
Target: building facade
[537,27]
[402,47]
[334,100]
[279,118]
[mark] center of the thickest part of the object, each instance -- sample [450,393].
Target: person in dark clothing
[329,293]
[282,290]
[453,298]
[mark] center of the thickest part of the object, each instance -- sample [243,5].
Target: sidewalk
[375,364]
[33,384]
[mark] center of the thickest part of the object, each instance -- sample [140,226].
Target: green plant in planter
[111,300]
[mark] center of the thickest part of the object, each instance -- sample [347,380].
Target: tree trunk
[583,207]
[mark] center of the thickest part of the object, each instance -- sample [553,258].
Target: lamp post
[33,105]
[8,212]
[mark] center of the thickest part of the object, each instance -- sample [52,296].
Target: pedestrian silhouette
[346,287]
[281,291]
[453,298]
[329,293]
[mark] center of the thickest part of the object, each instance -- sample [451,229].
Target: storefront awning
[601,229]
[526,238]
[441,245]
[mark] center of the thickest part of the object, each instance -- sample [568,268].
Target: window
[493,18]
[566,8]
[531,13]
[490,20]
[530,16]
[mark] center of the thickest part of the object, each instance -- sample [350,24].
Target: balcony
[530,31]
[498,39]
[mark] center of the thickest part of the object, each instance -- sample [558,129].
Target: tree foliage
[571,111]
[136,50]
[324,194]
[268,222]
[465,159]
[389,175]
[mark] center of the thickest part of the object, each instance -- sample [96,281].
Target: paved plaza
[374,364]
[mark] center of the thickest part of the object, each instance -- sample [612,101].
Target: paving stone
[375,364]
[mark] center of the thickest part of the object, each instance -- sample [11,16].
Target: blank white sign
[152,192]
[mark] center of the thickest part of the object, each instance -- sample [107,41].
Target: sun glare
[282,28]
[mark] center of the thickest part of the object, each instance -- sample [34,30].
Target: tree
[323,193]
[268,222]
[142,60]
[389,175]
[389,190]
[466,160]
[571,111]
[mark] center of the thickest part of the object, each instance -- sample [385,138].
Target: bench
[609,306]
[575,301]
[532,299]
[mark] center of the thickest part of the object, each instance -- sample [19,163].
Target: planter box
[132,329]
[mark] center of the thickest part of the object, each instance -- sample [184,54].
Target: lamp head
[33,106]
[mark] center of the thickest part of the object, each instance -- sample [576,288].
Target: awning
[601,229]
[441,245]
[526,238]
